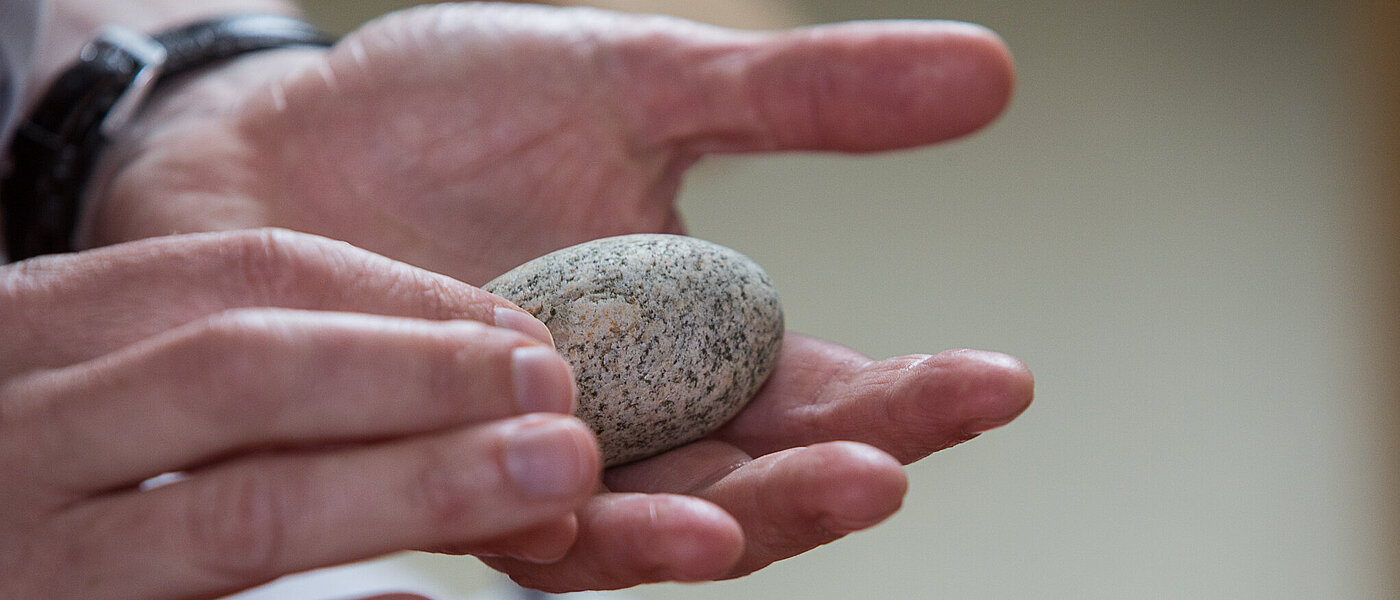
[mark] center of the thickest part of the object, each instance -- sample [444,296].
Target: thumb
[853,87]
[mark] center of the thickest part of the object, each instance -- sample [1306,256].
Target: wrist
[72,24]
[188,148]
[54,152]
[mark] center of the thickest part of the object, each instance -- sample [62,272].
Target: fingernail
[524,323]
[550,459]
[542,381]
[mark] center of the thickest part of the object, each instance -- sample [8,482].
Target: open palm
[471,138]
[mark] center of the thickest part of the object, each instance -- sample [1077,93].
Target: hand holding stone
[470,138]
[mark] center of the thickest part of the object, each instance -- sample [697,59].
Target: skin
[463,139]
[468,139]
[324,403]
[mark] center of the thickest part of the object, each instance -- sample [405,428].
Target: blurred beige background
[1186,225]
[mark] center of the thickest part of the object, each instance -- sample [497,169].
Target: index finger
[95,302]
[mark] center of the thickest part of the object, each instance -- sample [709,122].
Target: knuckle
[262,265]
[440,297]
[276,264]
[236,526]
[232,352]
[449,370]
[276,267]
[445,490]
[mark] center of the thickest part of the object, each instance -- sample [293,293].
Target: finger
[628,539]
[242,523]
[788,502]
[909,406]
[685,470]
[267,378]
[851,87]
[150,286]
[544,544]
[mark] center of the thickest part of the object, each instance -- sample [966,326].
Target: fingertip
[920,82]
[631,539]
[984,78]
[542,381]
[1001,387]
[523,322]
[668,537]
[854,486]
[550,544]
[854,87]
[552,457]
[986,40]
[701,553]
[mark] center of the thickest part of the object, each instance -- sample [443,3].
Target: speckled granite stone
[669,336]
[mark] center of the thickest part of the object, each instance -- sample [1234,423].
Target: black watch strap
[54,150]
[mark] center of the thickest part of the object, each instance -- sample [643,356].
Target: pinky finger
[248,521]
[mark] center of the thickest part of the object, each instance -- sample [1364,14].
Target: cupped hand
[815,456]
[470,138]
[320,405]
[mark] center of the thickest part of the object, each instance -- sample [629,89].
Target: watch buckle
[149,58]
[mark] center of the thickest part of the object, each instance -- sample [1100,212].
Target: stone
[668,336]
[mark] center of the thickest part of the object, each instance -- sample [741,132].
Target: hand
[321,404]
[815,456]
[470,138]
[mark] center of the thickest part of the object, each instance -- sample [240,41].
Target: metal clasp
[149,58]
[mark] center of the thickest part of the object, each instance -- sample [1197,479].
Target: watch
[53,152]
